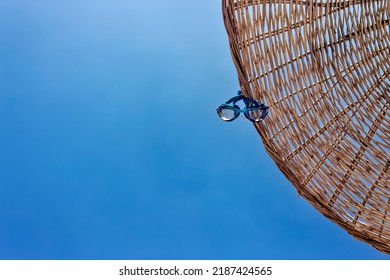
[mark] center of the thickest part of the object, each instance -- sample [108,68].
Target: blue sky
[110,146]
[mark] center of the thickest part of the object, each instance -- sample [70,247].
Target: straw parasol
[323,69]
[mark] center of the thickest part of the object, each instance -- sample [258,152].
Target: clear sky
[111,148]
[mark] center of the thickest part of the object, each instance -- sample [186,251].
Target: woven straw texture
[323,69]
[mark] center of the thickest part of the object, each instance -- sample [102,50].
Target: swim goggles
[253,111]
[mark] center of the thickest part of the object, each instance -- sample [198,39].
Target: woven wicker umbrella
[323,69]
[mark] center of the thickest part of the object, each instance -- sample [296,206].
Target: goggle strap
[246,100]
[234,99]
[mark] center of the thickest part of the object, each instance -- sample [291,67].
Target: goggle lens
[227,114]
[256,114]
